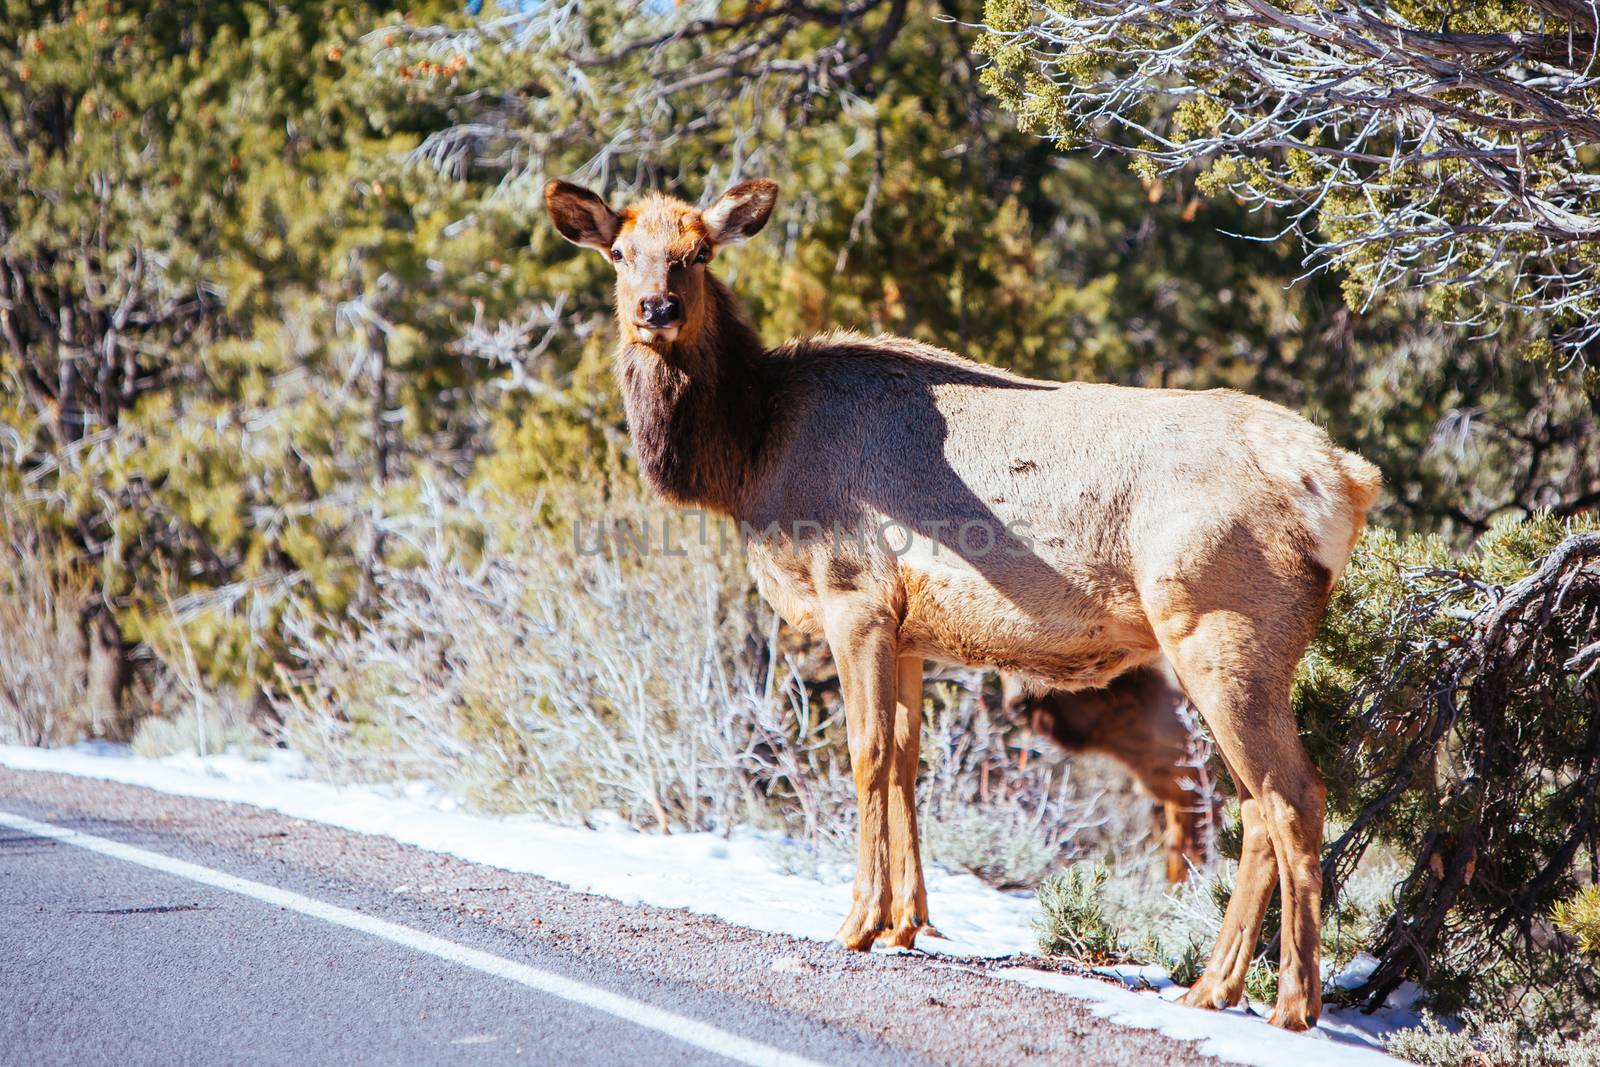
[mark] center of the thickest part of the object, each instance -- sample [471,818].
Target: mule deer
[1138,721]
[1067,532]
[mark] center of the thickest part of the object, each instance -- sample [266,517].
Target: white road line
[679,1027]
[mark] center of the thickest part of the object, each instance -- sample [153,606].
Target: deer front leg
[1182,839]
[909,911]
[863,645]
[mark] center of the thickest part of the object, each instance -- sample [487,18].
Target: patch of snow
[735,878]
[1234,1034]
[1355,972]
[1343,1026]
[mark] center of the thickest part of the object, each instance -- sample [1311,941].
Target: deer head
[659,248]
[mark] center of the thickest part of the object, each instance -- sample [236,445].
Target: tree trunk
[378,350]
[108,676]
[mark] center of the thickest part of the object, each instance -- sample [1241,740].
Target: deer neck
[698,411]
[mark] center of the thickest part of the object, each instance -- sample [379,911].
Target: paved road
[105,960]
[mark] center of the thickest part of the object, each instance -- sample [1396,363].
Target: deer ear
[582,217]
[740,212]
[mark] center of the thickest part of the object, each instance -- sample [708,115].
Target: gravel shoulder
[798,995]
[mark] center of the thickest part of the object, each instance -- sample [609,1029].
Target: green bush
[1074,923]
[1579,918]
[1446,700]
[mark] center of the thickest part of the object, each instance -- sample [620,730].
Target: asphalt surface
[109,963]
[106,961]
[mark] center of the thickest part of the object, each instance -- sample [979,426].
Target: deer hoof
[1295,1017]
[861,928]
[903,935]
[1208,995]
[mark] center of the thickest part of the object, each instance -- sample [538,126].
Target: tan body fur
[1207,527]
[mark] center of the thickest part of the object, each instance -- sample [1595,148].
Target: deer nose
[660,310]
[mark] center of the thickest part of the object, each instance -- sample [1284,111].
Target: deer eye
[616,255]
[702,256]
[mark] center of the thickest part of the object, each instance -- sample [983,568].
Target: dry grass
[43,654]
[996,802]
[508,659]
[553,679]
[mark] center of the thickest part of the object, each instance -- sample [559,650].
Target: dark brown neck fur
[699,412]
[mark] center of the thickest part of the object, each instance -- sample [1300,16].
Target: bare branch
[1409,154]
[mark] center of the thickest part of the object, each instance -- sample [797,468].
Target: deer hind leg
[863,644]
[1222,982]
[1238,672]
[909,907]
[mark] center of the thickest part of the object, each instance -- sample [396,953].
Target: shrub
[1480,1043]
[1074,922]
[1433,1044]
[203,730]
[1261,981]
[186,715]
[1453,703]
[1185,968]
[549,668]
[1579,918]
[1005,849]
[990,809]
